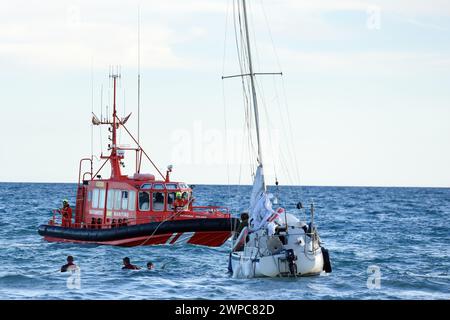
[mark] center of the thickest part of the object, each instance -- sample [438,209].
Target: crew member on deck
[69,266]
[242,224]
[66,212]
[179,202]
[128,266]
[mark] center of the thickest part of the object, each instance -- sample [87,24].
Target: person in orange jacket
[66,212]
[179,203]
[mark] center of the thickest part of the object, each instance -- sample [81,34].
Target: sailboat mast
[252,81]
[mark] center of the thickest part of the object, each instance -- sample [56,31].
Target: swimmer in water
[69,266]
[150,265]
[128,266]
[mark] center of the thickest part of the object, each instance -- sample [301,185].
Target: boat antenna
[139,75]
[252,81]
[114,157]
[101,117]
[92,109]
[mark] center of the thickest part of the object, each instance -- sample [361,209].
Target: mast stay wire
[286,105]
[229,200]
[253,44]
[284,164]
[224,106]
[260,93]
[244,56]
[283,160]
[249,111]
[242,59]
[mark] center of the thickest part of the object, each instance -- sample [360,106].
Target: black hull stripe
[142,230]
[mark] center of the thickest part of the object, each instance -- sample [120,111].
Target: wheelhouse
[112,204]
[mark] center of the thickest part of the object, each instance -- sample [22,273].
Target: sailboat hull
[276,265]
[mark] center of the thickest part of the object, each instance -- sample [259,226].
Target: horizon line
[285,185]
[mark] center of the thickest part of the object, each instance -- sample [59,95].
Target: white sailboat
[275,243]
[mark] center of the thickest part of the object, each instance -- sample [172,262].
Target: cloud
[409,7]
[370,63]
[69,34]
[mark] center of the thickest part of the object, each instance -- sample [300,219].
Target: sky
[364,99]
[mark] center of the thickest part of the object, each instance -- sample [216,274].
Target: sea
[384,243]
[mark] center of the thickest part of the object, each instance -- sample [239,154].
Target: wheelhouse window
[171,186]
[170,200]
[101,199]
[118,200]
[158,201]
[146,186]
[158,186]
[95,196]
[132,200]
[144,201]
[124,200]
[110,200]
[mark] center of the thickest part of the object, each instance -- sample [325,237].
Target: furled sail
[258,188]
[260,202]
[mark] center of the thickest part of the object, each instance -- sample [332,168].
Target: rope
[156,229]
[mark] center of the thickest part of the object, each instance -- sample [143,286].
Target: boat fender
[326,261]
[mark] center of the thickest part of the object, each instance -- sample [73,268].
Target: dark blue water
[402,231]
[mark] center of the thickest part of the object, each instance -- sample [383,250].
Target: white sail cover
[260,202]
[262,212]
[258,189]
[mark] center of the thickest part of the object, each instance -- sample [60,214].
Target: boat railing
[194,213]
[80,175]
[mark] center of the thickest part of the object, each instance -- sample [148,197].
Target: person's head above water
[69,259]
[244,216]
[126,260]
[150,265]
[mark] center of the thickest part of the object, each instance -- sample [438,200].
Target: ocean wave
[400,230]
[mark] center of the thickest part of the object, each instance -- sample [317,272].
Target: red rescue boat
[136,210]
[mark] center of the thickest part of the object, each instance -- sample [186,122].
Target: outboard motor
[291,258]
